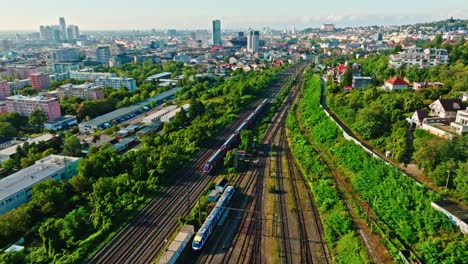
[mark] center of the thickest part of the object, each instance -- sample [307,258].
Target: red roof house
[395,83]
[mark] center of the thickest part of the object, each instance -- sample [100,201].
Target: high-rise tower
[63,29]
[216,33]
[253,41]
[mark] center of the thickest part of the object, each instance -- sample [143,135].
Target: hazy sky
[197,14]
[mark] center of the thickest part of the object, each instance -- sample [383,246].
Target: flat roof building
[63,122]
[4,90]
[16,189]
[40,81]
[101,122]
[156,77]
[88,91]
[85,75]
[117,82]
[26,104]
[420,57]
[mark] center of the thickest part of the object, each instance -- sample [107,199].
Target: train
[219,154]
[210,223]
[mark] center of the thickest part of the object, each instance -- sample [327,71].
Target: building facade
[253,41]
[85,75]
[419,57]
[395,83]
[40,81]
[88,91]
[103,54]
[216,33]
[16,189]
[26,104]
[63,28]
[67,55]
[461,122]
[117,82]
[63,122]
[4,90]
[21,72]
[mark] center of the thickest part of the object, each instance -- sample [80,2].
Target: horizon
[118,15]
[231,29]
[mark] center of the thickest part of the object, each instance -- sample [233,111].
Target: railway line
[141,240]
[246,244]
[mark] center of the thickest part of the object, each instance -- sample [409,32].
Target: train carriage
[212,219]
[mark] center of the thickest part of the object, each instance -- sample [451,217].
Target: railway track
[141,240]
[246,245]
[312,242]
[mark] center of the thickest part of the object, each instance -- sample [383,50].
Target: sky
[234,14]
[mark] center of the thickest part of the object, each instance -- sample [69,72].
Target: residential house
[461,122]
[395,83]
[420,85]
[361,82]
[446,108]
[418,117]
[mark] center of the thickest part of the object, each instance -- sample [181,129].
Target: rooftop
[159,75]
[126,110]
[38,98]
[86,85]
[12,150]
[33,174]
[397,81]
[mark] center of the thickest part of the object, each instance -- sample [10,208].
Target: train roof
[228,141]
[214,156]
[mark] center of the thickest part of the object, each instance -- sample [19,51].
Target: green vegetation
[343,241]
[402,206]
[379,116]
[27,154]
[109,187]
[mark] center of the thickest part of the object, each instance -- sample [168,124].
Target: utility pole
[446,184]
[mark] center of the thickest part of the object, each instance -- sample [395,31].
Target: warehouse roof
[126,110]
[31,175]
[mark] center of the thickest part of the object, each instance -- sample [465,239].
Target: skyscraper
[216,33]
[253,41]
[63,29]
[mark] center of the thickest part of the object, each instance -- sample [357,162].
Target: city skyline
[241,14]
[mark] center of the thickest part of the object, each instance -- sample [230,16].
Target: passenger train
[210,223]
[218,155]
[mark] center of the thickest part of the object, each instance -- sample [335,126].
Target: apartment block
[117,82]
[419,57]
[88,91]
[40,81]
[26,104]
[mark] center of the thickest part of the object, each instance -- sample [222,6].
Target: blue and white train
[210,223]
[218,155]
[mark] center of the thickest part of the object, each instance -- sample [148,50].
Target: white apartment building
[461,122]
[89,75]
[117,82]
[419,56]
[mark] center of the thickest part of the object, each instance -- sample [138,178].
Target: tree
[247,139]
[397,49]
[48,197]
[437,41]
[230,160]
[72,146]
[37,119]
[15,119]
[7,130]
[196,109]
[347,77]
